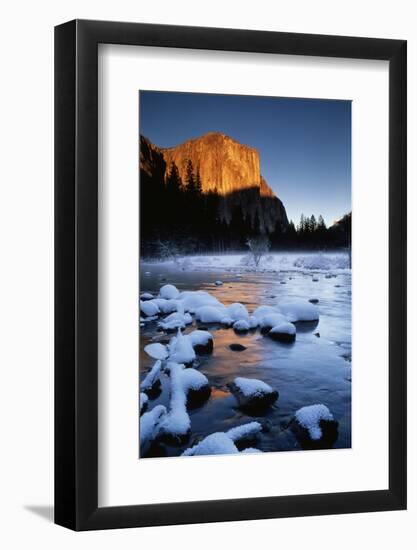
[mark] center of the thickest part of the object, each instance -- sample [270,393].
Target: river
[314,369]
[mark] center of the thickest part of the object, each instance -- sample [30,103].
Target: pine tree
[313,223]
[173,183]
[321,224]
[290,236]
[197,183]
[237,227]
[189,178]
[276,237]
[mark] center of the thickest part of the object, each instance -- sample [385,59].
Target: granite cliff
[227,168]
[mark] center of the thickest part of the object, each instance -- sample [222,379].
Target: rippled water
[315,369]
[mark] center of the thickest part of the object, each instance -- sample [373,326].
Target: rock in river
[237,347]
[241,326]
[252,394]
[283,332]
[202,341]
[315,427]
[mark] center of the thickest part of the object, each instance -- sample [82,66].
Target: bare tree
[165,250]
[258,247]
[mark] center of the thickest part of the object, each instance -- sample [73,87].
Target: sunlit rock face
[226,167]
[224,164]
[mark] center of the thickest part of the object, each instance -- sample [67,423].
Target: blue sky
[304,144]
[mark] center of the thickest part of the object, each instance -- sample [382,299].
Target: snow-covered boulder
[271,320]
[175,321]
[214,444]
[253,394]
[157,351]
[283,332]
[176,424]
[196,387]
[226,321]
[237,312]
[221,443]
[218,283]
[253,322]
[188,388]
[143,402]
[169,292]
[149,308]
[261,311]
[315,427]
[152,382]
[211,314]
[145,296]
[181,349]
[166,306]
[315,279]
[297,309]
[149,427]
[195,299]
[241,326]
[202,341]
[244,432]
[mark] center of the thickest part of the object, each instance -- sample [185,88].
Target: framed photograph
[230,253]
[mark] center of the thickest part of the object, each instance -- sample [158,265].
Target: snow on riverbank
[274,262]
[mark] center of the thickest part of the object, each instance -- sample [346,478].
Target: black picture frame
[76,271]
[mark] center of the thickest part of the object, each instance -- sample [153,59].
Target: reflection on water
[315,369]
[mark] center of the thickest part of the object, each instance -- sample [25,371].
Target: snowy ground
[274,262]
[315,369]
